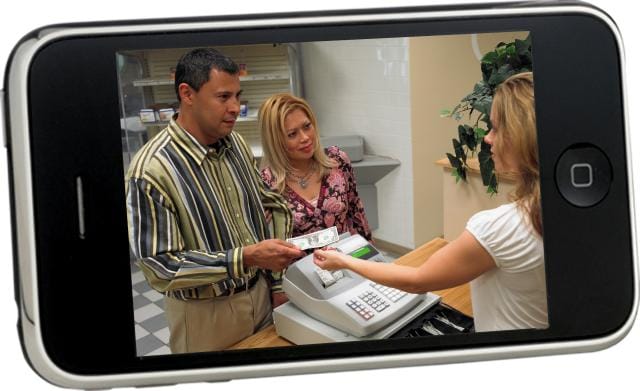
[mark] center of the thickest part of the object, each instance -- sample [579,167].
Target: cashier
[500,252]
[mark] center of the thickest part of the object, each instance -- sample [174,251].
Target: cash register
[341,305]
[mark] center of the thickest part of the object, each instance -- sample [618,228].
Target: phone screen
[418,164]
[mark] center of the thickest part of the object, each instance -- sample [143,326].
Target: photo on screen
[375,151]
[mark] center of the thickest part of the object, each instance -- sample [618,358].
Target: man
[196,211]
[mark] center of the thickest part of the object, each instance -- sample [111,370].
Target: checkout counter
[300,327]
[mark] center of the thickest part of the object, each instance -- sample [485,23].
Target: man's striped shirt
[192,208]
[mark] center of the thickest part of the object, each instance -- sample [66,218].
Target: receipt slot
[341,305]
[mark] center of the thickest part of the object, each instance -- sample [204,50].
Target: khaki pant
[215,324]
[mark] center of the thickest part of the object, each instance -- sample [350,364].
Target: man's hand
[278,298]
[272,254]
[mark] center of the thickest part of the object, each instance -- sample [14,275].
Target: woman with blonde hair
[501,250]
[318,184]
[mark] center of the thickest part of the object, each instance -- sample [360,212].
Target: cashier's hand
[278,298]
[330,259]
[272,254]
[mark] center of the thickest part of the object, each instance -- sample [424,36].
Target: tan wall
[461,201]
[442,71]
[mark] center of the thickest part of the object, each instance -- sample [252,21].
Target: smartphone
[123,61]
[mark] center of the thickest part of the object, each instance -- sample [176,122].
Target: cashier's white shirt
[514,294]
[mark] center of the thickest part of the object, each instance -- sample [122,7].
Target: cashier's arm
[458,262]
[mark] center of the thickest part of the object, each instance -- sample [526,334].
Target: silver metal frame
[25,235]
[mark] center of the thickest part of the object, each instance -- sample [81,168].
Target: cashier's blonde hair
[271,117]
[514,119]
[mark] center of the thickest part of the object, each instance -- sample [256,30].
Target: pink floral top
[338,202]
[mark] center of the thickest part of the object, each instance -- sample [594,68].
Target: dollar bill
[316,239]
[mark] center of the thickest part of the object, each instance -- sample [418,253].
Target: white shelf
[265,76]
[249,118]
[156,123]
[256,149]
[250,77]
[252,116]
[152,82]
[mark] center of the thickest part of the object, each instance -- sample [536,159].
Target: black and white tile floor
[152,332]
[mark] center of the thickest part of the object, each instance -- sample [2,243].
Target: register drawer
[435,320]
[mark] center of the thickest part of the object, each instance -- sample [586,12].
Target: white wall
[362,87]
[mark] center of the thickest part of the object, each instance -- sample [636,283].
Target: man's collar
[196,150]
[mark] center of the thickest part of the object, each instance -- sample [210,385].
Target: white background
[613,369]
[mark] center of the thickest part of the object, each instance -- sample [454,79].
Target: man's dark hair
[194,67]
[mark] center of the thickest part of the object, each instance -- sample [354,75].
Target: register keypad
[360,309]
[392,294]
[368,302]
[375,301]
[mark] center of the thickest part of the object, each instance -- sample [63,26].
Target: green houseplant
[505,60]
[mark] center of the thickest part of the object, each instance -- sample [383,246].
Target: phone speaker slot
[80,197]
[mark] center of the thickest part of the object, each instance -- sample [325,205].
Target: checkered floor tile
[152,332]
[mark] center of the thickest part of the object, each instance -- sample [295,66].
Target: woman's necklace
[303,180]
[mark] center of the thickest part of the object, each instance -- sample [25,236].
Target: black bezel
[73,109]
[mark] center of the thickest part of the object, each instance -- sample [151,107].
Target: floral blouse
[338,202]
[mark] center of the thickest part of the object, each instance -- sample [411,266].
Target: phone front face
[403,98]
[392,91]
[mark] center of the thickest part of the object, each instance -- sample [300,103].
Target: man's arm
[157,243]
[281,226]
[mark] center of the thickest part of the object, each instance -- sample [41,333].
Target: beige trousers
[215,324]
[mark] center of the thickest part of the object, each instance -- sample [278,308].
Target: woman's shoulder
[507,237]
[503,212]
[267,176]
[502,219]
[338,155]
[505,221]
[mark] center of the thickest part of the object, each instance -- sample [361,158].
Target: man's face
[216,105]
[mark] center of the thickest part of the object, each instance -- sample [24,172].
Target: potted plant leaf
[505,60]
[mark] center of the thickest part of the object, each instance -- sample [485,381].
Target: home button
[583,175]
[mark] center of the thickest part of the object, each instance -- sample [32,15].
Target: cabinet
[146,83]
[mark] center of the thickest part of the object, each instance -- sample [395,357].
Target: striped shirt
[192,208]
